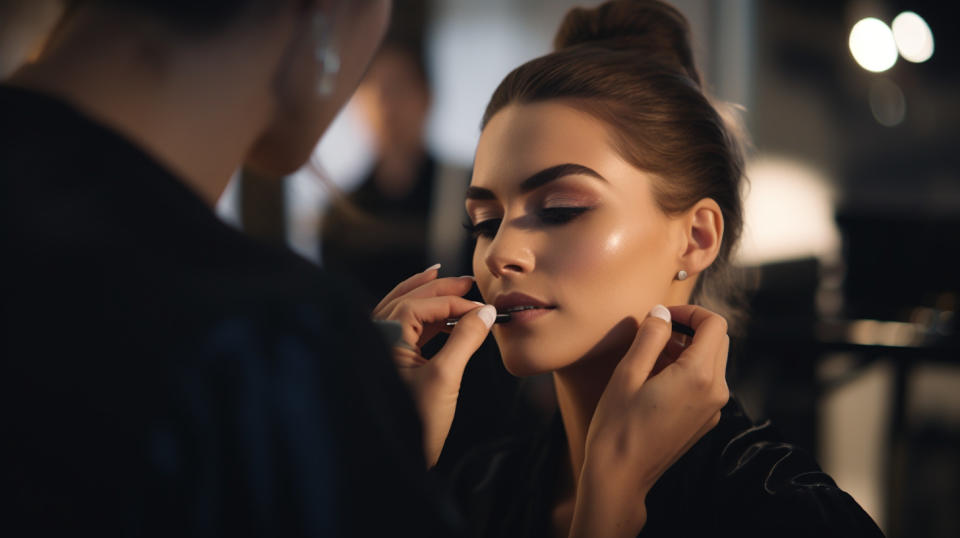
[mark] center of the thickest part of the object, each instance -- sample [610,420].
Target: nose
[510,252]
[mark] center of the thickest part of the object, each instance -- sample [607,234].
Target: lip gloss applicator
[501,318]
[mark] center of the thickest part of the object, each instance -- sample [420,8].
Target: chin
[524,363]
[522,367]
[525,357]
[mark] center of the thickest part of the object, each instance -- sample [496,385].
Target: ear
[703,234]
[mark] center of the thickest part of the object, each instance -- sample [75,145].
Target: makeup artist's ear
[703,233]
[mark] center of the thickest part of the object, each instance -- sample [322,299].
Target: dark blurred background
[853,214]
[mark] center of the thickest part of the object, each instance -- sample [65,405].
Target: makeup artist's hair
[630,64]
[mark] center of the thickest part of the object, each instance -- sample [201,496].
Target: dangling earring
[681,275]
[327,57]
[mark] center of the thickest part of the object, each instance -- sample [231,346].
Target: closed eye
[487,228]
[561,215]
[550,216]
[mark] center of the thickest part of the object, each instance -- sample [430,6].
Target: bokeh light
[872,45]
[913,37]
[887,102]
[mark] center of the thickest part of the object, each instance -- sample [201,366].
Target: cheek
[584,254]
[480,273]
[605,246]
[611,270]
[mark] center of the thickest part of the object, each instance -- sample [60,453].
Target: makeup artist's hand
[421,304]
[661,399]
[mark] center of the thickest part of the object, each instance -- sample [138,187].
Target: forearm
[605,509]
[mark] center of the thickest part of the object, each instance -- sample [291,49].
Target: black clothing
[164,375]
[740,480]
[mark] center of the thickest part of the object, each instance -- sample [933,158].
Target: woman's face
[565,225]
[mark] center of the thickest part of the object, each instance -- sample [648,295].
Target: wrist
[600,516]
[607,505]
[615,478]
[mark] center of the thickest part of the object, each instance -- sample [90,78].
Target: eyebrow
[539,179]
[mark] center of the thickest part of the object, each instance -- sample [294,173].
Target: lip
[516,299]
[521,307]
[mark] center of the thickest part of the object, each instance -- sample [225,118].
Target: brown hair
[629,63]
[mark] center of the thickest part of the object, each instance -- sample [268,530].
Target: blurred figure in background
[406,214]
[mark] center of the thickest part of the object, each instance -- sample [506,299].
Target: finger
[664,360]
[677,344]
[458,286]
[466,338]
[409,284]
[651,339]
[694,316]
[404,357]
[711,334]
[421,318]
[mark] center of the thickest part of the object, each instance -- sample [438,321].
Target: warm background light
[788,211]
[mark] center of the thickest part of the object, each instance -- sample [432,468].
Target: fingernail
[468,276]
[660,312]
[478,303]
[432,267]
[487,314]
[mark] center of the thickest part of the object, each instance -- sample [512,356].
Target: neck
[579,388]
[195,106]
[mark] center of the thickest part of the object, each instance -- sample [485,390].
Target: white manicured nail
[432,267]
[661,312]
[487,314]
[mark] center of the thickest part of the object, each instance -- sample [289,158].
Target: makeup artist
[163,374]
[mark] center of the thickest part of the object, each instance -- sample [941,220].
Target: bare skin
[594,253]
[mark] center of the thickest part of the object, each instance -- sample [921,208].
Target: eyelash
[551,216]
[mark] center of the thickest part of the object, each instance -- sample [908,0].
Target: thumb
[651,339]
[470,332]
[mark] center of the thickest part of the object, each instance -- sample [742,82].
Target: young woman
[605,184]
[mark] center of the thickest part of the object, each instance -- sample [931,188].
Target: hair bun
[651,27]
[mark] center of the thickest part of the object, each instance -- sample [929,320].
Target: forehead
[522,139]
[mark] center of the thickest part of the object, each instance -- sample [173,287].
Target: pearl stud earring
[681,275]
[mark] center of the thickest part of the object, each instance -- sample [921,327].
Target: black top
[162,374]
[740,479]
